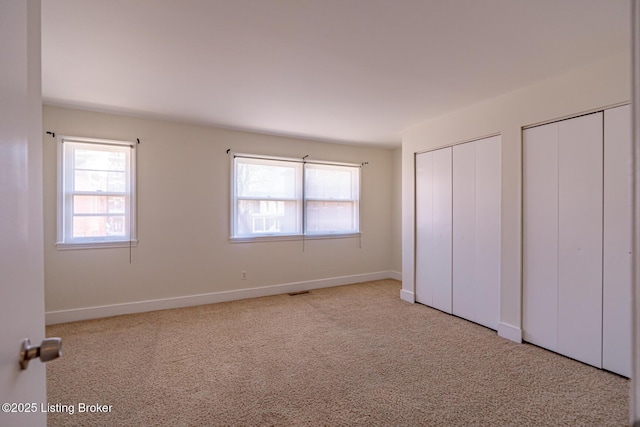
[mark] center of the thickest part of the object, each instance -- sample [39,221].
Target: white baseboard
[407,296]
[63,316]
[395,275]
[510,332]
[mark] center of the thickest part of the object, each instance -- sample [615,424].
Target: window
[96,193]
[289,197]
[331,198]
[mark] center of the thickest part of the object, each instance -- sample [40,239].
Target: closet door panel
[464,231]
[616,316]
[540,236]
[433,221]
[424,228]
[487,241]
[580,238]
[442,232]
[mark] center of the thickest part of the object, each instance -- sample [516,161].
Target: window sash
[319,223]
[110,230]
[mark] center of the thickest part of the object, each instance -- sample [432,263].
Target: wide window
[291,197]
[96,193]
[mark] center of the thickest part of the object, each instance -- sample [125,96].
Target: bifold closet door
[562,240]
[616,306]
[580,172]
[433,229]
[476,231]
[540,236]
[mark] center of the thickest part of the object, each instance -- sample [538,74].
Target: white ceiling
[355,71]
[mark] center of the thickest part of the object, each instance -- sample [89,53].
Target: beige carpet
[347,356]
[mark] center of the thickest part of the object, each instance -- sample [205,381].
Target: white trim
[396,275]
[96,245]
[63,316]
[573,116]
[407,296]
[275,238]
[466,141]
[64,239]
[635,286]
[510,332]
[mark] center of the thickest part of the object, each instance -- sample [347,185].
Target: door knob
[51,348]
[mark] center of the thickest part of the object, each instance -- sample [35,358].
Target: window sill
[296,237]
[96,245]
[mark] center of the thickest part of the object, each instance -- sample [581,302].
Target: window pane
[115,182]
[264,179]
[98,226]
[331,182]
[98,204]
[267,217]
[331,217]
[104,160]
[97,197]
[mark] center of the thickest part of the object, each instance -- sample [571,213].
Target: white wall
[601,84]
[183,222]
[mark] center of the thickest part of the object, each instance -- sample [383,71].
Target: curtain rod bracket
[53,134]
[138,139]
[228,149]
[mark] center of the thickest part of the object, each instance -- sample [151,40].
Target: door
[580,202]
[540,236]
[562,237]
[476,231]
[21,253]
[488,231]
[616,292]
[464,231]
[433,225]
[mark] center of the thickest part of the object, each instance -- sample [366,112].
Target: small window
[96,193]
[289,197]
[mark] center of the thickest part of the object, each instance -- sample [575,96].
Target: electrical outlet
[243,275]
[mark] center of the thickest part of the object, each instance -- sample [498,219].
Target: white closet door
[442,198]
[488,214]
[464,231]
[616,316]
[580,167]
[540,236]
[433,220]
[424,227]
[476,231]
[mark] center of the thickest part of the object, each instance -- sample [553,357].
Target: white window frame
[65,239]
[353,199]
[302,201]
